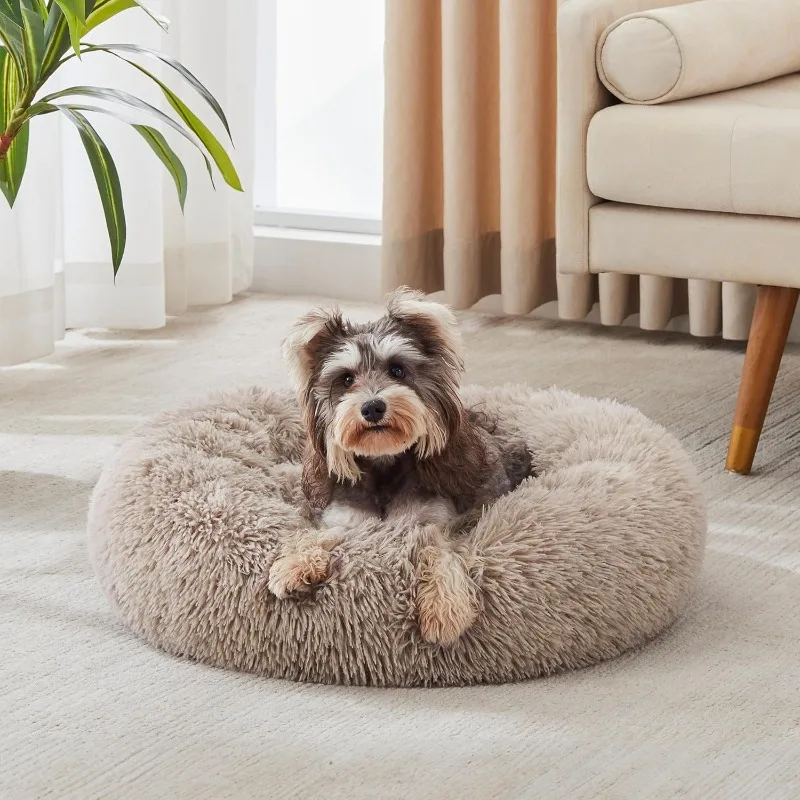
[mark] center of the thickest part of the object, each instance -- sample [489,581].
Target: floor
[710,710]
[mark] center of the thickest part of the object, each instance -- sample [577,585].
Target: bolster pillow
[689,50]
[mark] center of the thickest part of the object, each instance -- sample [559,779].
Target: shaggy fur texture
[423,445]
[596,555]
[389,439]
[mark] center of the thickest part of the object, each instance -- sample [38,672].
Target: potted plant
[39,37]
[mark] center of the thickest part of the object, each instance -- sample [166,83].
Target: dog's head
[380,388]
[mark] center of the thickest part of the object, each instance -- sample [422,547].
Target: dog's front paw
[446,603]
[299,572]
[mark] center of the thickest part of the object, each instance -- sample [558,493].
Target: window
[319,114]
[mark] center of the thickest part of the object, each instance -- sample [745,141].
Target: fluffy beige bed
[596,555]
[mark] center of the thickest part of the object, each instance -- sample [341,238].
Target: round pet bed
[595,555]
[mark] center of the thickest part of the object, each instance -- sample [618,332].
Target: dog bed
[595,555]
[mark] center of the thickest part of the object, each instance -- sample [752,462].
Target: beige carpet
[711,710]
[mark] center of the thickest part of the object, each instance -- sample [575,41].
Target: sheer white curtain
[55,268]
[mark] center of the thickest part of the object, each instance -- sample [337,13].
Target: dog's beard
[407,422]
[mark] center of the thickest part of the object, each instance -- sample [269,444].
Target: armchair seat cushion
[735,152]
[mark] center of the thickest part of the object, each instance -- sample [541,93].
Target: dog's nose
[373,410]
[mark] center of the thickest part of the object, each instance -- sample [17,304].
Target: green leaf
[33,40]
[75,13]
[168,157]
[196,126]
[107,179]
[56,36]
[192,121]
[9,87]
[215,149]
[170,62]
[12,37]
[115,95]
[75,8]
[106,9]
[12,10]
[153,137]
[12,167]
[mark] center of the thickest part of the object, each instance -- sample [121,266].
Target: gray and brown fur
[469,470]
[425,459]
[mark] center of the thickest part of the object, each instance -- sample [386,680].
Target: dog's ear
[316,482]
[433,325]
[308,336]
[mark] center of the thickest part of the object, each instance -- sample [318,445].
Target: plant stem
[15,122]
[5,144]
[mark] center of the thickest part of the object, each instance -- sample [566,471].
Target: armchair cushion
[735,152]
[698,48]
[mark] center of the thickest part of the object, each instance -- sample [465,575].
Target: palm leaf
[107,179]
[115,95]
[74,12]
[56,36]
[33,39]
[188,76]
[12,166]
[12,10]
[12,37]
[196,126]
[169,158]
[192,121]
[154,138]
[106,9]
[215,149]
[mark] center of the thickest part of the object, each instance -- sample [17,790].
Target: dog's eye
[396,371]
[348,380]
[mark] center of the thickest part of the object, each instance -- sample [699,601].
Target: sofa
[679,157]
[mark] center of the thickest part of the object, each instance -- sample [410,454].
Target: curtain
[469,173]
[469,149]
[56,271]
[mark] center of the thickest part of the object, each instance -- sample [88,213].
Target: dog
[389,438]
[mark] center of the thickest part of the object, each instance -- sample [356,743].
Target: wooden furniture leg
[771,321]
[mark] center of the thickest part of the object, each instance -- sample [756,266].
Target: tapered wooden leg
[768,333]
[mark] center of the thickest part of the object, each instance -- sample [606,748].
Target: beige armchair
[679,156]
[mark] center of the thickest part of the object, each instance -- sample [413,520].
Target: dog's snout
[373,410]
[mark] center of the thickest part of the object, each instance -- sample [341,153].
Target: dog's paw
[446,604]
[298,573]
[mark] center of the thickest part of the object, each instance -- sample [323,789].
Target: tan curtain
[469,165]
[470,149]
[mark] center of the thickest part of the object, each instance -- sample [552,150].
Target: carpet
[709,710]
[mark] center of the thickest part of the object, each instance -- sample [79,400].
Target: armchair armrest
[667,54]
[580,96]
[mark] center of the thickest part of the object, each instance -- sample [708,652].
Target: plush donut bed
[595,555]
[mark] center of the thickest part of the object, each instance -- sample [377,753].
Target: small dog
[389,439]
